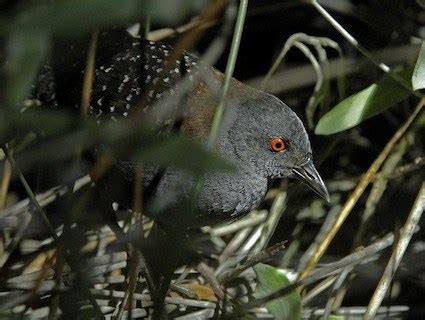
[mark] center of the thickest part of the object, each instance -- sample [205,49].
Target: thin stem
[358,191]
[385,68]
[4,188]
[261,256]
[230,67]
[397,254]
[350,260]
[52,231]
[135,267]
[147,25]
[88,75]
[31,194]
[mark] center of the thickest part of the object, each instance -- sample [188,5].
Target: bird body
[260,135]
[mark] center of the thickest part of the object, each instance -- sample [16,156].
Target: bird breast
[223,196]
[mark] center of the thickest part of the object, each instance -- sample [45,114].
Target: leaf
[173,12]
[202,292]
[334,317]
[73,17]
[364,104]
[26,49]
[271,280]
[14,124]
[418,78]
[181,153]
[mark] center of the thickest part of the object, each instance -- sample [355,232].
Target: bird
[260,135]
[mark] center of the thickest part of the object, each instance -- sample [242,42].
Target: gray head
[265,136]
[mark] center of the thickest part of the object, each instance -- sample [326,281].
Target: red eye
[277,144]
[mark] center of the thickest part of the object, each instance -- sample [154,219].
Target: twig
[39,282]
[58,277]
[145,297]
[88,75]
[31,195]
[212,280]
[398,172]
[127,302]
[183,291]
[201,314]
[148,25]
[261,256]
[253,219]
[69,239]
[22,226]
[397,254]
[402,170]
[7,173]
[385,68]
[338,290]
[269,226]
[234,244]
[391,312]
[358,191]
[229,72]
[322,286]
[354,258]
[379,186]
[326,226]
[42,198]
[161,34]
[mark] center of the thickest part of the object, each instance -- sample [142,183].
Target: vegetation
[354,73]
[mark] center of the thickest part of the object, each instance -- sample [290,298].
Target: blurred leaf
[182,153]
[40,120]
[64,132]
[73,17]
[418,78]
[173,12]
[271,280]
[26,49]
[364,104]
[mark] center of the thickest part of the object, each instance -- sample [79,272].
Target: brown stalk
[358,191]
[88,76]
[7,173]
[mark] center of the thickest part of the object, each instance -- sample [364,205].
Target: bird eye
[278,144]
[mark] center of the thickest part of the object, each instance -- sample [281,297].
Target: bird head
[266,136]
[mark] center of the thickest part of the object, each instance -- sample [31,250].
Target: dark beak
[308,174]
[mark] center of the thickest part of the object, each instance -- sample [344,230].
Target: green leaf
[26,49]
[182,153]
[365,104]
[74,17]
[334,317]
[271,280]
[173,12]
[418,78]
